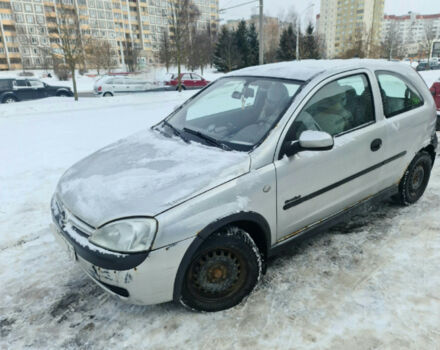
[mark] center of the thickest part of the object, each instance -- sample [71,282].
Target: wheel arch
[8,94]
[431,148]
[253,223]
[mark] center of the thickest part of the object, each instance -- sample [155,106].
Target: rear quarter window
[5,84]
[398,95]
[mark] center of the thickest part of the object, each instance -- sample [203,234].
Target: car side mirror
[311,141]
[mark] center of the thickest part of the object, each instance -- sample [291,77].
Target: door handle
[376,145]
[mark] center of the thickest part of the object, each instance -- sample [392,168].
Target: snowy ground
[372,283]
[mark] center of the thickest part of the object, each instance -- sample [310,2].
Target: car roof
[308,69]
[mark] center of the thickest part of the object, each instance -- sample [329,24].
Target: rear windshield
[5,84]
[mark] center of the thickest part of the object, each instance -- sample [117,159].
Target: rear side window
[21,83]
[338,107]
[398,96]
[36,83]
[5,84]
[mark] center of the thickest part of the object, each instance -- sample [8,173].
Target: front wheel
[415,180]
[9,99]
[223,271]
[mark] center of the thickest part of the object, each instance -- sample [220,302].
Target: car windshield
[236,112]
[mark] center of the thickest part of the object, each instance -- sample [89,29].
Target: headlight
[126,236]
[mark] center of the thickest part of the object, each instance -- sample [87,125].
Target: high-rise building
[412,31]
[27,25]
[343,21]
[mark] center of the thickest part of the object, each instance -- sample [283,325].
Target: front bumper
[144,279]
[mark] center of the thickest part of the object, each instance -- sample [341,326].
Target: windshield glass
[237,112]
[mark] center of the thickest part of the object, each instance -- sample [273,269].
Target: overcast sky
[278,7]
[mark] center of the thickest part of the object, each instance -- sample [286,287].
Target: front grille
[64,217]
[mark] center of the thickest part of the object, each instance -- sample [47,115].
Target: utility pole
[261,33]
[297,37]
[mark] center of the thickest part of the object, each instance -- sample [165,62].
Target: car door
[314,185]
[23,90]
[118,85]
[197,80]
[38,88]
[187,81]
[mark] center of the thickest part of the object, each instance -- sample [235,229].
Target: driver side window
[338,107]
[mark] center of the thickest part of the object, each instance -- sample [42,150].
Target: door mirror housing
[310,141]
[316,141]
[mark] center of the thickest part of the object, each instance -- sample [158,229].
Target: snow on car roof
[307,69]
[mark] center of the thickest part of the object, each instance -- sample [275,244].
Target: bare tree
[165,53]
[199,55]
[271,40]
[430,35]
[70,45]
[100,54]
[45,55]
[183,15]
[390,44]
[131,55]
[357,45]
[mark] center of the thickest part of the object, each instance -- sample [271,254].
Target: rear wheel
[223,271]
[62,94]
[183,87]
[9,99]
[107,94]
[415,180]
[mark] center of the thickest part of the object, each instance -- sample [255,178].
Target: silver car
[191,209]
[113,85]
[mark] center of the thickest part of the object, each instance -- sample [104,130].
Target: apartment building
[340,21]
[27,25]
[411,31]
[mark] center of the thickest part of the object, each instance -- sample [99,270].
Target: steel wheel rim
[10,100]
[417,178]
[217,274]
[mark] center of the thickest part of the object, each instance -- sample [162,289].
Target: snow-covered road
[370,283]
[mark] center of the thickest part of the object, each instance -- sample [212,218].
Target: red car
[189,81]
[435,89]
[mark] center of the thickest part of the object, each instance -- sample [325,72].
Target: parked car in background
[22,89]
[192,209]
[435,90]
[111,85]
[432,65]
[189,81]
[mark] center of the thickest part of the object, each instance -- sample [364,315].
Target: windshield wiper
[210,139]
[176,131]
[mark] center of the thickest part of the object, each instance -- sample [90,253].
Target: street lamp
[298,21]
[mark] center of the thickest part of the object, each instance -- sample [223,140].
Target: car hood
[144,175]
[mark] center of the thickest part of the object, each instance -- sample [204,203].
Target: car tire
[415,180]
[222,272]
[9,99]
[438,123]
[62,94]
[107,94]
[183,87]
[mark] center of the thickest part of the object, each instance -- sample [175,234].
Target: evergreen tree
[309,44]
[226,57]
[254,45]
[241,43]
[287,48]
